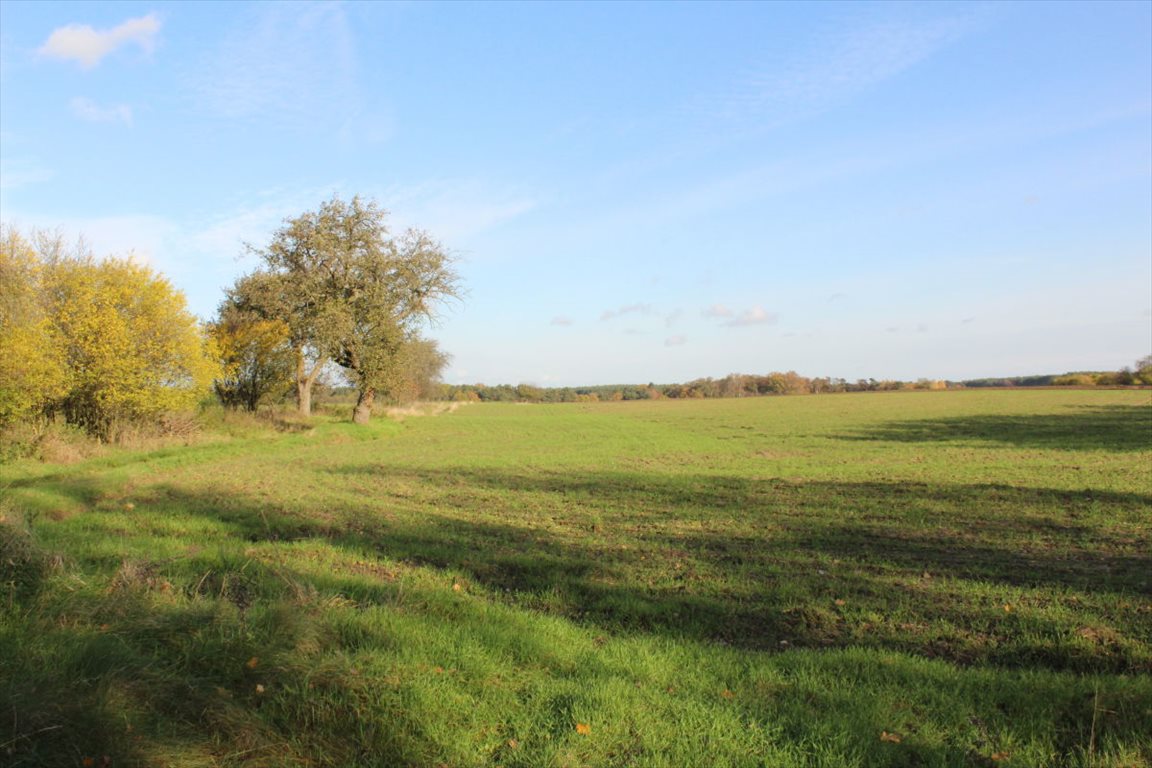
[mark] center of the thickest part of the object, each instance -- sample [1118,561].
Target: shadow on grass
[764,564]
[1101,428]
[753,564]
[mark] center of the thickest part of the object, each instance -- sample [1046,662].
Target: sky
[634,192]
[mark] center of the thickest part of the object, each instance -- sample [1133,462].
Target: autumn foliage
[100,342]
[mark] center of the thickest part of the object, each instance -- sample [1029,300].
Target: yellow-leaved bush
[32,370]
[131,348]
[256,356]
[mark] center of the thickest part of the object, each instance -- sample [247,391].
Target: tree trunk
[304,396]
[363,411]
[304,381]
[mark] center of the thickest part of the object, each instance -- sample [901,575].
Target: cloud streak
[630,309]
[88,110]
[754,316]
[836,68]
[455,209]
[88,47]
[22,172]
[289,66]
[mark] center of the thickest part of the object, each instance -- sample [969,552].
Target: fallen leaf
[88,762]
[892,737]
[1007,608]
[727,694]
[259,688]
[252,662]
[838,601]
[583,729]
[512,743]
[998,756]
[457,587]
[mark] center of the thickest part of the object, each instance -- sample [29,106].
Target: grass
[901,579]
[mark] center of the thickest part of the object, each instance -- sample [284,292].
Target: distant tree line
[1138,375]
[733,385]
[776,383]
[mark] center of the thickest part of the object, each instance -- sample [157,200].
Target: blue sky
[636,192]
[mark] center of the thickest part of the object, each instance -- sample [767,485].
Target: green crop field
[895,579]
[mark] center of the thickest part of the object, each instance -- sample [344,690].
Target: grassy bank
[955,578]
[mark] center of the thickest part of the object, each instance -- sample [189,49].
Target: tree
[32,370]
[1143,371]
[131,348]
[352,292]
[422,363]
[284,296]
[257,359]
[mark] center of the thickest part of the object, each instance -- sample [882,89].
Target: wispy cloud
[630,309]
[86,109]
[289,66]
[88,47]
[251,218]
[561,320]
[21,172]
[455,209]
[675,341]
[834,69]
[754,316]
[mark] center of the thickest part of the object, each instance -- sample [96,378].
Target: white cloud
[86,109]
[87,46]
[631,309]
[561,320]
[718,311]
[754,316]
[675,341]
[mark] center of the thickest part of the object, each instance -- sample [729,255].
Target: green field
[901,579]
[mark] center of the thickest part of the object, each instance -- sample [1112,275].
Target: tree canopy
[352,292]
[98,341]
